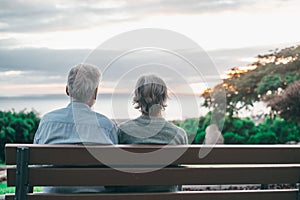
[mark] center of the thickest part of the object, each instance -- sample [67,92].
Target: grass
[6,190]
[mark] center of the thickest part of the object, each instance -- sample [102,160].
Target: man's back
[76,123]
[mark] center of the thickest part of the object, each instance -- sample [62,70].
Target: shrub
[233,138]
[263,138]
[17,128]
[272,130]
[199,138]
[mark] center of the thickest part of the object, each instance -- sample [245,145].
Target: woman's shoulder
[174,127]
[127,123]
[180,134]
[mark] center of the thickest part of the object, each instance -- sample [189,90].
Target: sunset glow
[41,40]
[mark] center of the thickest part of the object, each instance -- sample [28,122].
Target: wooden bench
[224,164]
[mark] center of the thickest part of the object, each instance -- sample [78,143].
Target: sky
[41,40]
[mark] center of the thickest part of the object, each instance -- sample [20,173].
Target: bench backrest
[74,165]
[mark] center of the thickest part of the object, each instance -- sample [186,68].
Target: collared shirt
[76,123]
[151,130]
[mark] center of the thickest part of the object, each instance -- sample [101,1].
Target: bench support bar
[22,173]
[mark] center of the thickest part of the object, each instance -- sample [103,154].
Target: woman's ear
[67,91]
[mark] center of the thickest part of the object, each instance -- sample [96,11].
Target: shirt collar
[78,105]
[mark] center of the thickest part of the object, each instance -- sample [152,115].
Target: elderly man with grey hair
[78,123]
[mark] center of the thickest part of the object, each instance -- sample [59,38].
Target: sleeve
[184,137]
[37,135]
[185,140]
[120,134]
[114,134]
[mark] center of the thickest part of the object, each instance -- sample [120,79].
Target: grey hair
[150,94]
[83,79]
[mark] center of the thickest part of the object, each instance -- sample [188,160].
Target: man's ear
[95,93]
[67,91]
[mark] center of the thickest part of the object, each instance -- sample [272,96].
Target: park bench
[74,165]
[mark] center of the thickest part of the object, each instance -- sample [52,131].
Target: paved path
[219,187]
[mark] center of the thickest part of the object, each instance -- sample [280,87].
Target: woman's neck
[158,114]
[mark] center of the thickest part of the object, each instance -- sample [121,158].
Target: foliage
[287,104]
[275,79]
[269,75]
[199,138]
[273,130]
[8,190]
[233,138]
[17,128]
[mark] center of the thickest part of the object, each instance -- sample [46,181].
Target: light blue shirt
[76,123]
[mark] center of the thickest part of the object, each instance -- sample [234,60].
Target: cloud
[39,16]
[8,43]
[32,15]
[40,59]
[53,62]
[48,66]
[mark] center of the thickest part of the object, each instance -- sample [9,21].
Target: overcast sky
[41,40]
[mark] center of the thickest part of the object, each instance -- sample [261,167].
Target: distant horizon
[115,107]
[61,95]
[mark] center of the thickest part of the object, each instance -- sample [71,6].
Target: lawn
[5,190]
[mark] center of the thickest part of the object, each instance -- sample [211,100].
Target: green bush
[17,127]
[233,138]
[199,138]
[273,130]
[285,130]
[263,138]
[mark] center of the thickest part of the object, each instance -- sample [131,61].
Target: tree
[287,104]
[271,74]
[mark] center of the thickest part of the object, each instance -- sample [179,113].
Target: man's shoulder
[55,113]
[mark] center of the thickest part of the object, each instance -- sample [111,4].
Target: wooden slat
[220,154]
[206,175]
[203,195]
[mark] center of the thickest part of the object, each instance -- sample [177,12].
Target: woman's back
[151,130]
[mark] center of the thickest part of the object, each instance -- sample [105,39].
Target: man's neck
[90,103]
